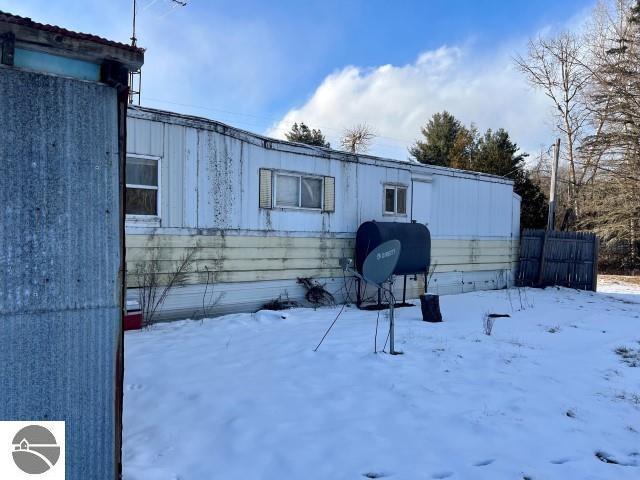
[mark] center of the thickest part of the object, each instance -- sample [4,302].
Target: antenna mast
[135,77]
[137,74]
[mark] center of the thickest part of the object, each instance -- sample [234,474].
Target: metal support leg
[404,291]
[392,350]
[392,302]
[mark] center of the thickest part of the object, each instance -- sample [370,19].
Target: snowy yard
[553,393]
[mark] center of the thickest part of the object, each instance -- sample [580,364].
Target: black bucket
[430,305]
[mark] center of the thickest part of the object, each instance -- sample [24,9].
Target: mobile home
[256,213]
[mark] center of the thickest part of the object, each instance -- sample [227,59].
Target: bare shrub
[430,273]
[154,285]
[283,302]
[509,298]
[524,299]
[630,356]
[487,323]
[209,299]
[316,294]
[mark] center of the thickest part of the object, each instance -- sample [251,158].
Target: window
[142,186]
[395,200]
[298,191]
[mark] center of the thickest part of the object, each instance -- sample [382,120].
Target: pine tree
[303,134]
[446,142]
[498,155]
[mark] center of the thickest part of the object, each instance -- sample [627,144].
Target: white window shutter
[329,194]
[266,188]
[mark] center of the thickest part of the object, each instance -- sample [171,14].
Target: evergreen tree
[498,155]
[446,142]
[303,134]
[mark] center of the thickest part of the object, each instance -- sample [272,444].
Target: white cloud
[397,100]
[195,56]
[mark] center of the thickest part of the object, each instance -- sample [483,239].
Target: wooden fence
[568,259]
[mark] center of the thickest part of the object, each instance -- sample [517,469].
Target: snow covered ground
[244,396]
[619,284]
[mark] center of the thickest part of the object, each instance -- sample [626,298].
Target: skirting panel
[200,300]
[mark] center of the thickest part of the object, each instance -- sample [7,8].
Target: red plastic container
[133,320]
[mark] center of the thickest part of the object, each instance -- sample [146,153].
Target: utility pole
[551,217]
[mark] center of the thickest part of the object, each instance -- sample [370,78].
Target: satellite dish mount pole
[392,350]
[377,270]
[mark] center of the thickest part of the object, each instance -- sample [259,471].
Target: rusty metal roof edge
[54,29]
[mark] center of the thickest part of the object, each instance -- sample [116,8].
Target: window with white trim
[298,191]
[395,200]
[142,196]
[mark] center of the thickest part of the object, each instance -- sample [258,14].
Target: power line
[402,141]
[174,4]
[149,5]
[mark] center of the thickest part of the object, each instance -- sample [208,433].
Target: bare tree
[556,67]
[358,138]
[614,105]
[593,82]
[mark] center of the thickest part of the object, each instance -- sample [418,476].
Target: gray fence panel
[566,259]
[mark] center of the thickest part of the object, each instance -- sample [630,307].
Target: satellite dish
[381,262]
[379,265]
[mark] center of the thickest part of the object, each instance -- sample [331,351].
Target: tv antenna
[135,76]
[377,270]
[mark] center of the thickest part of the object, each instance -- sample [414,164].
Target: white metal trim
[143,156]
[422,179]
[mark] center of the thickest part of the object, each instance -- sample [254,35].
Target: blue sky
[261,65]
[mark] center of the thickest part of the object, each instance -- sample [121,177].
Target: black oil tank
[415,239]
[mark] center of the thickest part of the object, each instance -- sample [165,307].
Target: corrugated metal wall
[59,260]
